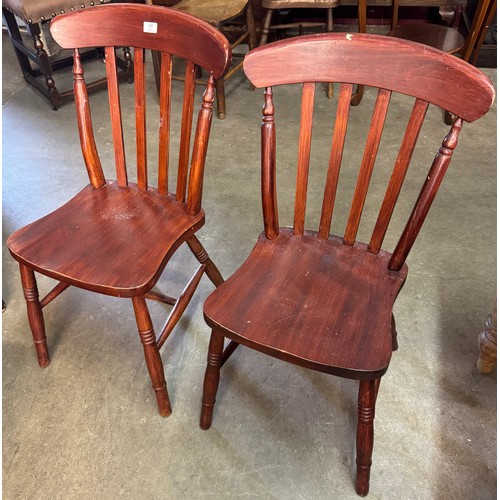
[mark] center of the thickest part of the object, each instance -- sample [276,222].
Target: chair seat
[437,36]
[318,304]
[114,240]
[215,12]
[300,4]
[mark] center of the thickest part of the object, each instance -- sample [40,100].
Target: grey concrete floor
[86,427]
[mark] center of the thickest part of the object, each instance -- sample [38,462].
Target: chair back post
[87,141]
[268,165]
[426,197]
[200,147]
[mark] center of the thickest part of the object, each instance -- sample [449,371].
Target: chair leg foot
[35,315]
[211,381]
[152,355]
[364,435]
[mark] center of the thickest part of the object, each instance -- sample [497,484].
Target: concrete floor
[86,427]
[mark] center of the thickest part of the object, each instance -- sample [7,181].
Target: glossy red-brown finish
[116,237]
[367,164]
[383,62]
[108,25]
[338,140]
[367,396]
[35,316]
[91,229]
[330,326]
[305,137]
[317,300]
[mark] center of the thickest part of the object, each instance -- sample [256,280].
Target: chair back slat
[367,164]
[116,116]
[85,130]
[398,174]
[426,197]
[187,122]
[305,136]
[164,132]
[140,118]
[268,167]
[338,140]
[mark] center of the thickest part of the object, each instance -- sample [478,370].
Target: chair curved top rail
[145,26]
[378,61]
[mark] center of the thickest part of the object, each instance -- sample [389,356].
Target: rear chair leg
[221,98]
[35,315]
[364,436]
[211,382]
[152,355]
[202,256]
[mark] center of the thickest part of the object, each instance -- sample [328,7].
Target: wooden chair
[36,62]
[317,300]
[115,237]
[222,14]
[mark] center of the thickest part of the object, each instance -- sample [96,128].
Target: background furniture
[35,13]
[221,14]
[273,7]
[320,301]
[487,342]
[483,16]
[116,237]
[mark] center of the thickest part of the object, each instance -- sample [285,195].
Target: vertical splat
[305,136]
[398,174]
[332,177]
[164,132]
[187,121]
[367,164]
[140,118]
[116,116]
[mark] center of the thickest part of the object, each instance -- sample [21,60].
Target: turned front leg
[364,435]
[35,315]
[152,355]
[212,376]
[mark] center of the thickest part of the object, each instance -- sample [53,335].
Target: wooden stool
[221,14]
[34,13]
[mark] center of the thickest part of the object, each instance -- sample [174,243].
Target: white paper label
[149,27]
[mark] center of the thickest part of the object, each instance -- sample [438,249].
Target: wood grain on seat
[115,240]
[319,304]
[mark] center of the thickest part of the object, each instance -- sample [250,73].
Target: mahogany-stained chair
[309,297]
[115,237]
